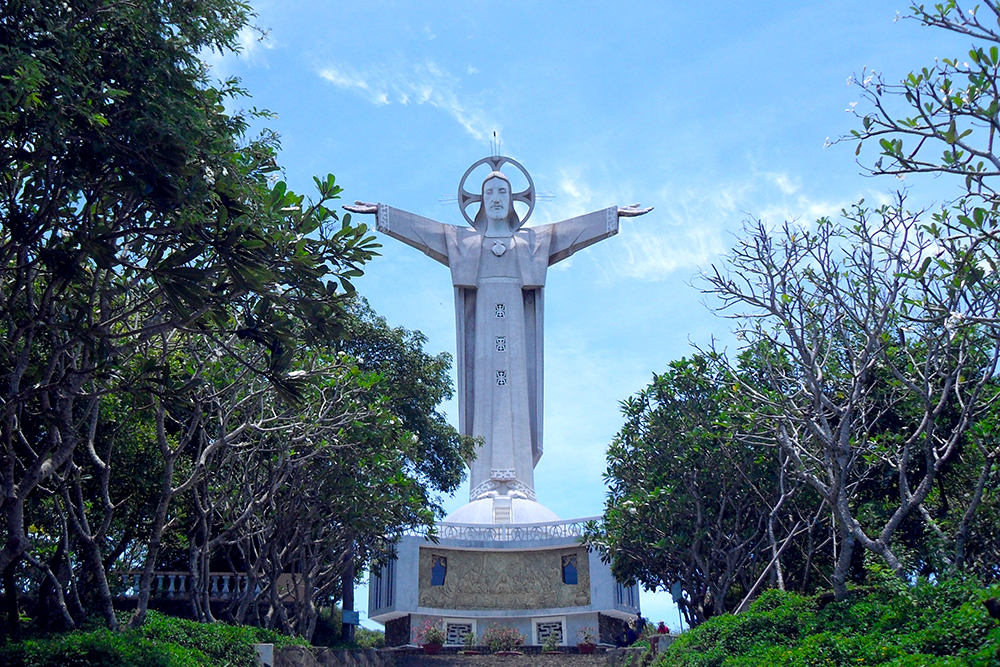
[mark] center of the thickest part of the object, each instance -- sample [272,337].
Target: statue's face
[496,199]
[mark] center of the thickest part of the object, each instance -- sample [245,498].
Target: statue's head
[497,203]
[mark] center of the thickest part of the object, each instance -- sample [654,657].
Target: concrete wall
[407,584]
[308,656]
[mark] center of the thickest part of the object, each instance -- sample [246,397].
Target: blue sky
[708,112]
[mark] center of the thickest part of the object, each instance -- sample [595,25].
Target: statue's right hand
[362,207]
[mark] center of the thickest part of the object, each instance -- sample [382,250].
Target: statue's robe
[499,316]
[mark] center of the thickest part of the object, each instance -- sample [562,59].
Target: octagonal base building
[508,561]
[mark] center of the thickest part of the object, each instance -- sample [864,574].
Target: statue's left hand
[362,207]
[633,211]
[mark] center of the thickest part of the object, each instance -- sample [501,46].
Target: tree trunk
[57,596]
[12,628]
[962,534]
[843,529]
[153,546]
[347,580]
[93,560]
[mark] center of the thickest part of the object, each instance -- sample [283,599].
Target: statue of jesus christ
[498,269]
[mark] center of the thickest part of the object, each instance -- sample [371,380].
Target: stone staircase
[609,658]
[300,656]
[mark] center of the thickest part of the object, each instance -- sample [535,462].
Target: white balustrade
[509,532]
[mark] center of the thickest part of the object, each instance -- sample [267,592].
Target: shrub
[930,625]
[162,641]
[99,648]
[430,633]
[367,638]
[501,638]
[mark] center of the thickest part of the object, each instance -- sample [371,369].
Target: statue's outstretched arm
[362,207]
[577,233]
[424,234]
[633,211]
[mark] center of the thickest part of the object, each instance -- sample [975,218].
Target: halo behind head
[467,198]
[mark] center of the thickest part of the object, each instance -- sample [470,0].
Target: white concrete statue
[498,269]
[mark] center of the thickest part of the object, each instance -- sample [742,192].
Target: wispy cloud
[784,183]
[802,209]
[424,83]
[253,43]
[689,227]
[653,255]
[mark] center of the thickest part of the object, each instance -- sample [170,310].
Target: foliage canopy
[172,390]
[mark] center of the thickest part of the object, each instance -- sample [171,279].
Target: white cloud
[425,83]
[784,183]
[801,208]
[653,255]
[572,188]
[252,43]
[345,80]
[689,227]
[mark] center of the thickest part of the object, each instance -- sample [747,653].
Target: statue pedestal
[534,577]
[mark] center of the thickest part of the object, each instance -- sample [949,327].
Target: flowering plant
[430,632]
[500,638]
[586,636]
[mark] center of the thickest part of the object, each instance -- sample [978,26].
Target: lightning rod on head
[495,144]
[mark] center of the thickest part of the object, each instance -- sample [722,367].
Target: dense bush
[366,638]
[328,629]
[925,625]
[501,638]
[161,642]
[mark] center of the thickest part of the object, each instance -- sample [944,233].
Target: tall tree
[414,384]
[694,504]
[306,490]
[942,119]
[132,209]
[852,312]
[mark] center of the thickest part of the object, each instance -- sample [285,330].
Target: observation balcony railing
[177,585]
[508,532]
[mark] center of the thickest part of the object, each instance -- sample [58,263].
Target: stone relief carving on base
[504,580]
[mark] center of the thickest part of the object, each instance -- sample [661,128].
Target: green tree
[308,489]
[941,118]
[693,500]
[133,211]
[414,384]
[851,310]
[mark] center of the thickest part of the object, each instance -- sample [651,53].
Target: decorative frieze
[504,579]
